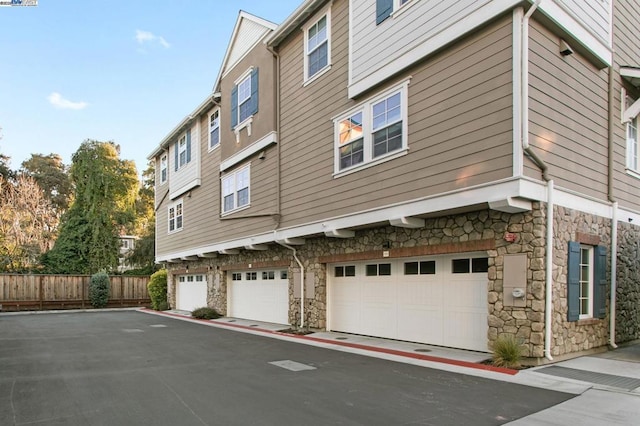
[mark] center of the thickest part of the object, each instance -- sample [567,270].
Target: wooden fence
[41,292]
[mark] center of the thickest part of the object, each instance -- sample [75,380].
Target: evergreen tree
[102,206]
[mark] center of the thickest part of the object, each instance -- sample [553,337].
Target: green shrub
[205,313]
[99,287]
[507,351]
[158,290]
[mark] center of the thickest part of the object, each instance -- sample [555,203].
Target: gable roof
[247,33]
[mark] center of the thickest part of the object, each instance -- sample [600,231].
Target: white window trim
[632,169]
[164,167]
[399,9]
[318,16]
[235,191]
[367,125]
[174,205]
[212,148]
[590,298]
[180,164]
[246,123]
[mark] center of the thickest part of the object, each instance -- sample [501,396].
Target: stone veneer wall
[571,225]
[628,283]
[447,234]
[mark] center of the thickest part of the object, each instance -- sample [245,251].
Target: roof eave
[211,99]
[294,20]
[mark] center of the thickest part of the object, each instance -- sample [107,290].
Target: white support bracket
[340,233]
[407,222]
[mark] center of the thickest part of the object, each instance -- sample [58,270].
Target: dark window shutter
[175,149]
[234,107]
[600,282]
[383,10]
[254,91]
[188,145]
[573,282]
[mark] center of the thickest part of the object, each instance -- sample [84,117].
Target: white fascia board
[594,44]
[480,194]
[526,188]
[444,37]
[268,139]
[293,21]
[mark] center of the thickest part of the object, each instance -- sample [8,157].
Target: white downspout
[614,257]
[548,310]
[524,114]
[295,256]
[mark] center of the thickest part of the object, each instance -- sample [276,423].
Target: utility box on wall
[309,284]
[514,282]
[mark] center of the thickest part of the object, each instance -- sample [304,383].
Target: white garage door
[261,295]
[437,300]
[191,292]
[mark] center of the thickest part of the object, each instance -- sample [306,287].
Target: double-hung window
[372,132]
[586,281]
[214,129]
[317,45]
[163,168]
[235,189]
[244,99]
[175,216]
[632,145]
[182,150]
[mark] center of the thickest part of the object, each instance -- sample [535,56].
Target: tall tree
[143,254]
[102,206]
[51,174]
[28,224]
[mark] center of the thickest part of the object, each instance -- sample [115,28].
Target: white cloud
[58,101]
[147,36]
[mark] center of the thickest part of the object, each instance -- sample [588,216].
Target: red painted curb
[421,357]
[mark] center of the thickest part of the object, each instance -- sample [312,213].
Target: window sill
[402,9]
[632,172]
[372,163]
[239,209]
[246,123]
[317,75]
[211,149]
[175,231]
[588,321]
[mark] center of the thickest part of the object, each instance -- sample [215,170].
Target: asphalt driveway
[131,368]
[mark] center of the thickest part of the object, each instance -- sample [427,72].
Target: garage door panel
[191,292]
[421,301]
[257,296]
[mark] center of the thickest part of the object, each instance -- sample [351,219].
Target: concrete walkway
[607,385]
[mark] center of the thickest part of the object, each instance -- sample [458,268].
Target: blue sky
[126,71]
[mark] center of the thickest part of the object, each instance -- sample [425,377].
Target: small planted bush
[507,351]
[99,290]
[157,288]
[205,313]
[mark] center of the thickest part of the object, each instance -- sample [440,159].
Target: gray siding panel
[460,126]
[568,116]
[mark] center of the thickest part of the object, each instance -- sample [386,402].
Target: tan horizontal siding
[460,128]
[568,115]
